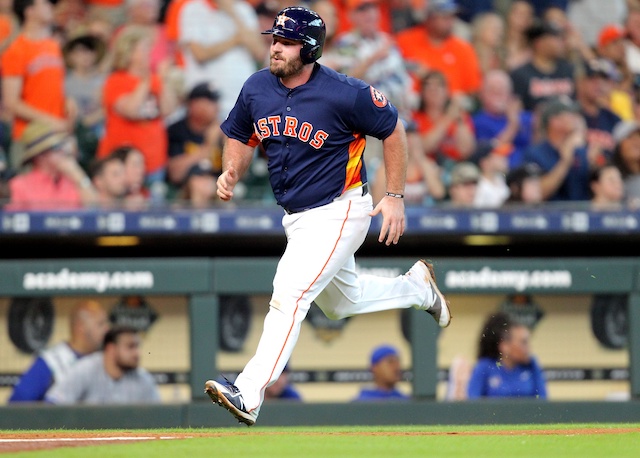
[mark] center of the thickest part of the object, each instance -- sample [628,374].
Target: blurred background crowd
[118,103]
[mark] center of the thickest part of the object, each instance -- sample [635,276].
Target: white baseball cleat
[422,275]
[228,396]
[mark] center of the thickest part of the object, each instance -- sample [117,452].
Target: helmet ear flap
[309,55]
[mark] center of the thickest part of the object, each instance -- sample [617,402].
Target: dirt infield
[25,441]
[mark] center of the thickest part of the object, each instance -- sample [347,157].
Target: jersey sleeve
[373,114]
[238,124]
[33,384]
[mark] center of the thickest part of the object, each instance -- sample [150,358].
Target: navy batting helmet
[301,24]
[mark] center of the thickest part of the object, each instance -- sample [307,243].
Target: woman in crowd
[505,367]
[487,37]
[136,100]
[443,122]
[519,18]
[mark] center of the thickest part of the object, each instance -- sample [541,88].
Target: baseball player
[312,122]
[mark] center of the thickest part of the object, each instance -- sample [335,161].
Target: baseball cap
[442,6]
[556,106]
[610,33]
[624,129]
[358,4]
[519,174]
[203,91]
[541,29]
[464,172]
[381,352]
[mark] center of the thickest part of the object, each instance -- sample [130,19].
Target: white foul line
[87,439]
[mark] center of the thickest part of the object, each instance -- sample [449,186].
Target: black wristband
[393,194]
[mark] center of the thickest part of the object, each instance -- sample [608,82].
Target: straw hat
[39,137]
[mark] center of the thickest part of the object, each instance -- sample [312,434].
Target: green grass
[367,442]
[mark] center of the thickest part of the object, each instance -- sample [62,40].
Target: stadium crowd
[118,103]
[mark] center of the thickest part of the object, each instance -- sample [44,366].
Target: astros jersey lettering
[313,135]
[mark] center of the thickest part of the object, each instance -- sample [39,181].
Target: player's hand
[226,182]
[393,221]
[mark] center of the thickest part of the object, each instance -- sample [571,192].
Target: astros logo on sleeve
[378,98]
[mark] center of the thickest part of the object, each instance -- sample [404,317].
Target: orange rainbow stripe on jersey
[354,165]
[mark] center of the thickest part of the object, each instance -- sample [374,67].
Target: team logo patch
[378,98]
[282,19]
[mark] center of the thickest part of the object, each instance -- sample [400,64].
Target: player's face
[285,59]
[128,351]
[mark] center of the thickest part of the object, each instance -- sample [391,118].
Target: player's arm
[392,208]
[236,158]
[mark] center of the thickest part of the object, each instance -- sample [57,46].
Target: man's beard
[290,68]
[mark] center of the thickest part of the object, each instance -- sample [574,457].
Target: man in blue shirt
[385,367]
[594,77]
[88,325]
[502,120]
[562,155]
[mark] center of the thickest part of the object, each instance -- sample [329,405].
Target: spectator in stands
[423,183]
[387,373]
[108,177]
[626,157]
[524,185]
[371,55]
[136,101]
[111,376]
[463,185]
[576,49]
[172,28]
[9,26]
[198,189]
[145,14]
[88,324]
[518,20]
[197,136]
[505,366]
[562,154]
[493,162]
[594,79]
[632,26]
[55,179]
[282,388]
[136,193]
[548,74]
[501,118]
[33,75]
[220,45]
[83,83]
[611,48]
[487,38]
[443,122]
[113,10]
[607,188]
[432,46]
[588,17]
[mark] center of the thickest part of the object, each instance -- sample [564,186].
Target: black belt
[365,191]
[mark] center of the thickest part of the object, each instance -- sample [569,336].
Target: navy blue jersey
[313,135]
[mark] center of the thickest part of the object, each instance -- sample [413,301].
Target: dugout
[201,282]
